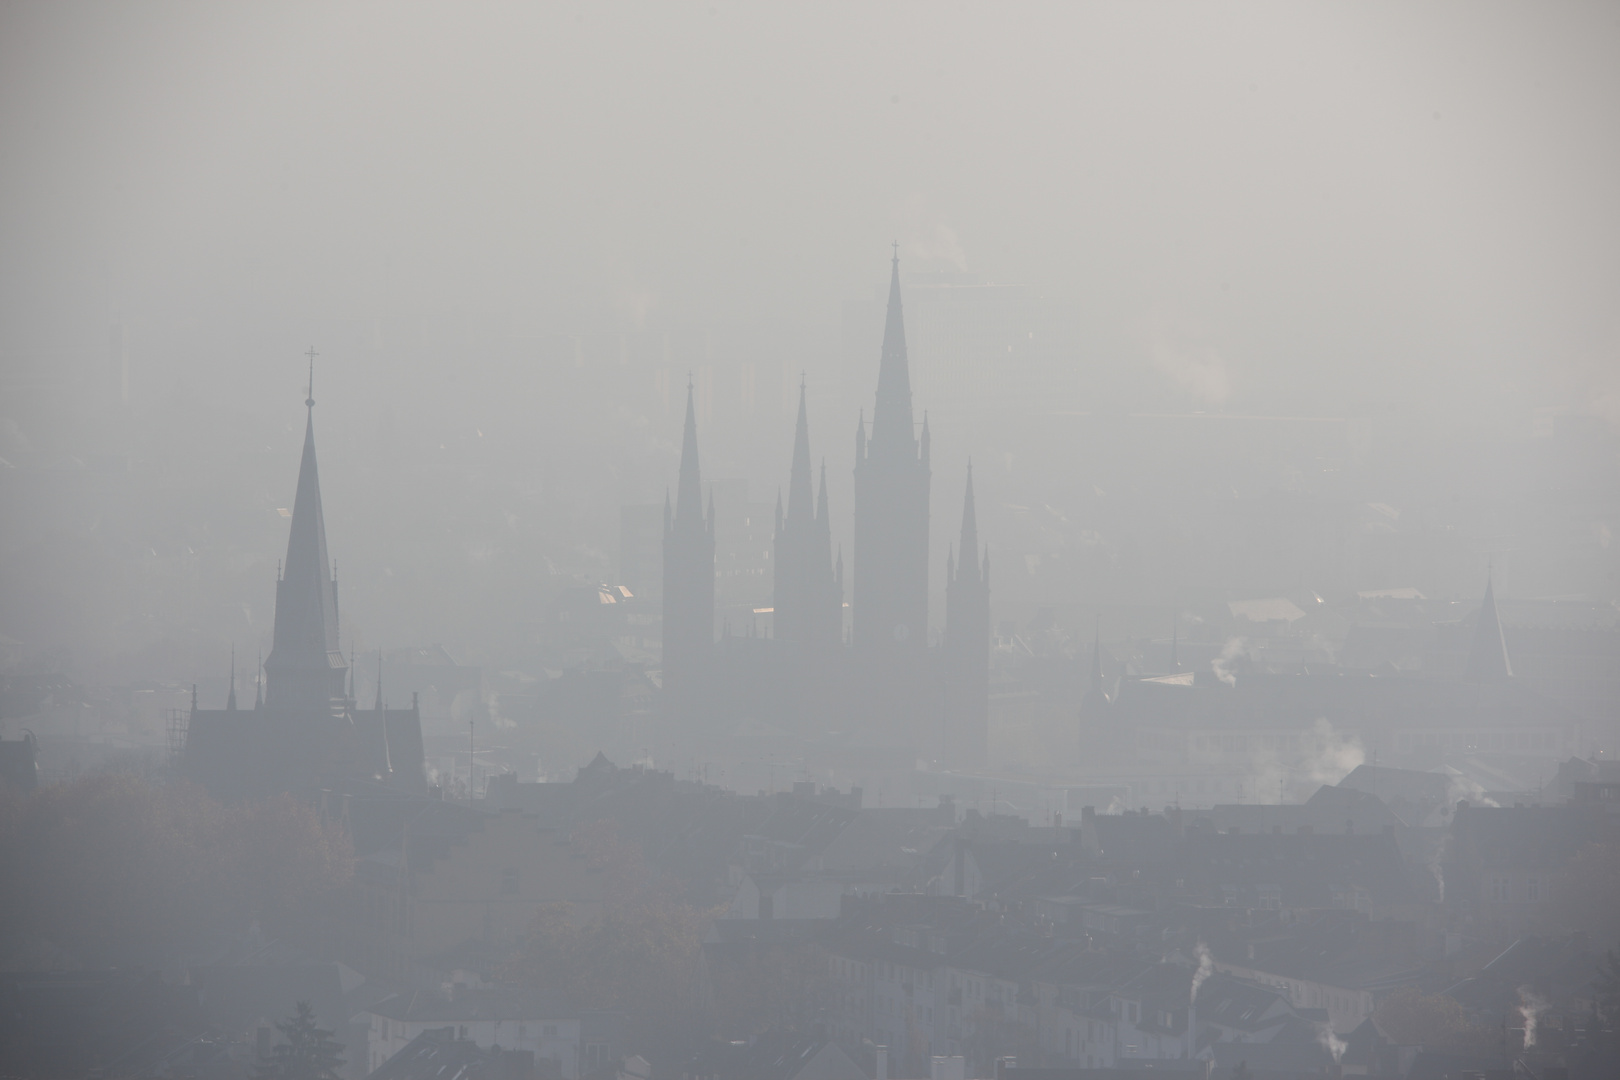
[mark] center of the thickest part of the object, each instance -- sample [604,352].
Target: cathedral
[885,684]
[305,730]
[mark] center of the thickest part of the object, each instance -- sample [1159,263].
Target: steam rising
[1335,755]
[1222,664]
[1331,1042]
[1531,1006]
[1206,968]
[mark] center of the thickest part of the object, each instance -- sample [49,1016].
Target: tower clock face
[901,631]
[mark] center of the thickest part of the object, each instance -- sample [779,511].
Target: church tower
[1488,656]
[305,669]
[967,643]
[688,631]
[891,510]
[808,592]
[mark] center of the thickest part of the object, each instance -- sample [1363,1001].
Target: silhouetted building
[307,731]
[885,684]
[688,584]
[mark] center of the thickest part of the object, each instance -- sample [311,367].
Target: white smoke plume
[1462,787]
[1531,1006]
[1333,755]
[1222,664]
[1206,968]
[1331,1042]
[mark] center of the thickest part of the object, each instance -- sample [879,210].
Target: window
[1532,890]
[596,1056]
[1499,889]
[509,881]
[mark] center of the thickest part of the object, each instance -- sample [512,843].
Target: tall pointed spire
[800,503]
[890,520]
[689,489]
[806,595]
[688,600]
[1487,657]
[306,665]
[967,640]
[970,532]
[230,701]
[892,417]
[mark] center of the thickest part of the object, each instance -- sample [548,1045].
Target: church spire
[892,417]
[970,533]
[689,489]
[800,502]
[967,640]
[230,701]
[1487,657]
[688,600]
[306,665]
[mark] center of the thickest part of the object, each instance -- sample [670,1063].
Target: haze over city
[1087,501]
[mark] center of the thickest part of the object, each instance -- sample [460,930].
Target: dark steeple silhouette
[688,582]
[305,669]
[967,642]
[807,598]
[1487,656]
[891,416]
[306,732]
[891,509]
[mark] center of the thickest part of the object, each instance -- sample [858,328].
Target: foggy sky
[1405,210]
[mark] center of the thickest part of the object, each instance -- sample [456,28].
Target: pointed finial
[309,402]
[896,245]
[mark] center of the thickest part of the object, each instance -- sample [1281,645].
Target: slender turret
[688,583]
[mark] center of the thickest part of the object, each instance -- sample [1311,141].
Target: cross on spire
[309,402]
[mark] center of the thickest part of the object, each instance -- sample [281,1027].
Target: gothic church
[885,683]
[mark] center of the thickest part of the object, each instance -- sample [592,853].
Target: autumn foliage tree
[115,867]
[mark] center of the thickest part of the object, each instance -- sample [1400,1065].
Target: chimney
[882,1069]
